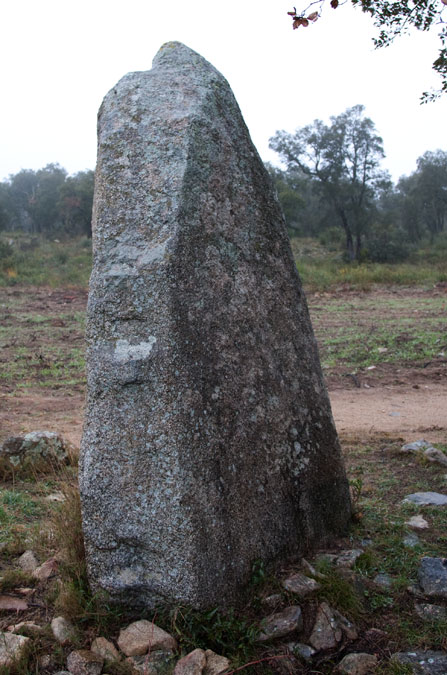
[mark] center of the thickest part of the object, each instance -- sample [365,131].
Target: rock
[357,664]
[281,624]
[305,652]
[46,570]
[158,662]
[411,540]
[104,648]
[56,497]
[272,601]
[415,447]
[36,451]
[424,663]
[63,631]
[432,575]
[139,636]
[348,558]
[28,561]
[300,585]
[205,392]
[417,523]
[13,649]
[427,498]
[383,580]
[436,456]
[329,628]
[28,628]
[84,662]
[191,664]
[215,664]
[431,612]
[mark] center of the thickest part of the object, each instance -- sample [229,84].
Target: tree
[393,17]
[75,203]
[344,159]
[432,189]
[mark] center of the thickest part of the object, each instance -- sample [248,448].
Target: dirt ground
[404,399]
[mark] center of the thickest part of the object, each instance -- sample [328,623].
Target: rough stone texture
[431,612]
[209,440]
[282,624]
[417,523]
[423,663]
[416,446]
[139,636]
[35,451]
[305,652]
[28,561]
[84,662]
[191,664]
[46,570]
[383,580]
[12,648]
[154,663]
[348,558]
[300,585]
[105,648]
[215,663]
[63,631]
[329,628]
[427,498]
[433,577]
[411,540]
[357,664]
[436,456]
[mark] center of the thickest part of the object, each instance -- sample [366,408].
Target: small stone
[272,601]
[433,576]
[347,626]
[357,664]
[281,624]
[35,451]
[139,636]
[103,647]
[56,497]
[27,628]
[191,664]
[300,585]
[63,631]
[13,648]
[84,662]
[417,523]
[45,661]
[153,663]
[415,446]
[348,558]
[28,561]
[305,652]
[427,498]
[46,570]
[411,540]
[326,633]
[215,664]
[425,663]
[436,456]
[431,612]
[383,580]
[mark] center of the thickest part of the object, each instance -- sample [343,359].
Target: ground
[384,356]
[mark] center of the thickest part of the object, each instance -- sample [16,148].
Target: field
[384,356]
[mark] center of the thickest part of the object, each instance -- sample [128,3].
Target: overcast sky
[59,58]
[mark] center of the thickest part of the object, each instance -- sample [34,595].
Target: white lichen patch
[125,352]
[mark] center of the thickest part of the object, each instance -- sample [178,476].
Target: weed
[13,578]
[338,592]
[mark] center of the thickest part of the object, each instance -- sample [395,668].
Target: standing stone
[209,440]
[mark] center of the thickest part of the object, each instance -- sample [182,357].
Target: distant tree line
[47,201]
[332,187]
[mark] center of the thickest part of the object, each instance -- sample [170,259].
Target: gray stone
[417,523]
[305,652]
[105,648]
[157,662]
[348,558]
[84,662]
[431,612]
[329,628]
[140,636]
[13,649]
[357,664]
[423,663]
[433,577]
[215,663]
[28,561]
[411,540]
[272,601]
[35,451]
[427,498]
[415,447]
[191,664]
[208,440]
[63,631]
[383,580]
[300,585]
[436,456]
[281,624]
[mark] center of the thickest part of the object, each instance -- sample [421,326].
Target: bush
[386,244]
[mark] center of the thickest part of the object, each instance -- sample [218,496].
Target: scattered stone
[357,581]
[424,663]
[305,652]
[435,455]
[411,540]
[45,661]
[383,580]
[433,576]
[63,631]
[184,314]
[329,628]
[191,664]
[300,585]
[103,647]
[139,636]
[347,626]
[310,569]
[156,662]
[431,612]
[427,498]
[366,542]
[13,649]
[28,561]
[36,451]
[215,663]
[84,662]
[357,664]
[272,601]
[9,602]
[28,628]
[281,624]
[417,523]
[348,558]
[416,446]
[56,497]
[46,570]
[376,637]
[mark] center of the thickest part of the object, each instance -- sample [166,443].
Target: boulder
[208,439]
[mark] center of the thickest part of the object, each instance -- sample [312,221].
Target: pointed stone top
[178,55]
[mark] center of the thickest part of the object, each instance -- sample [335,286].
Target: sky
[58,59]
